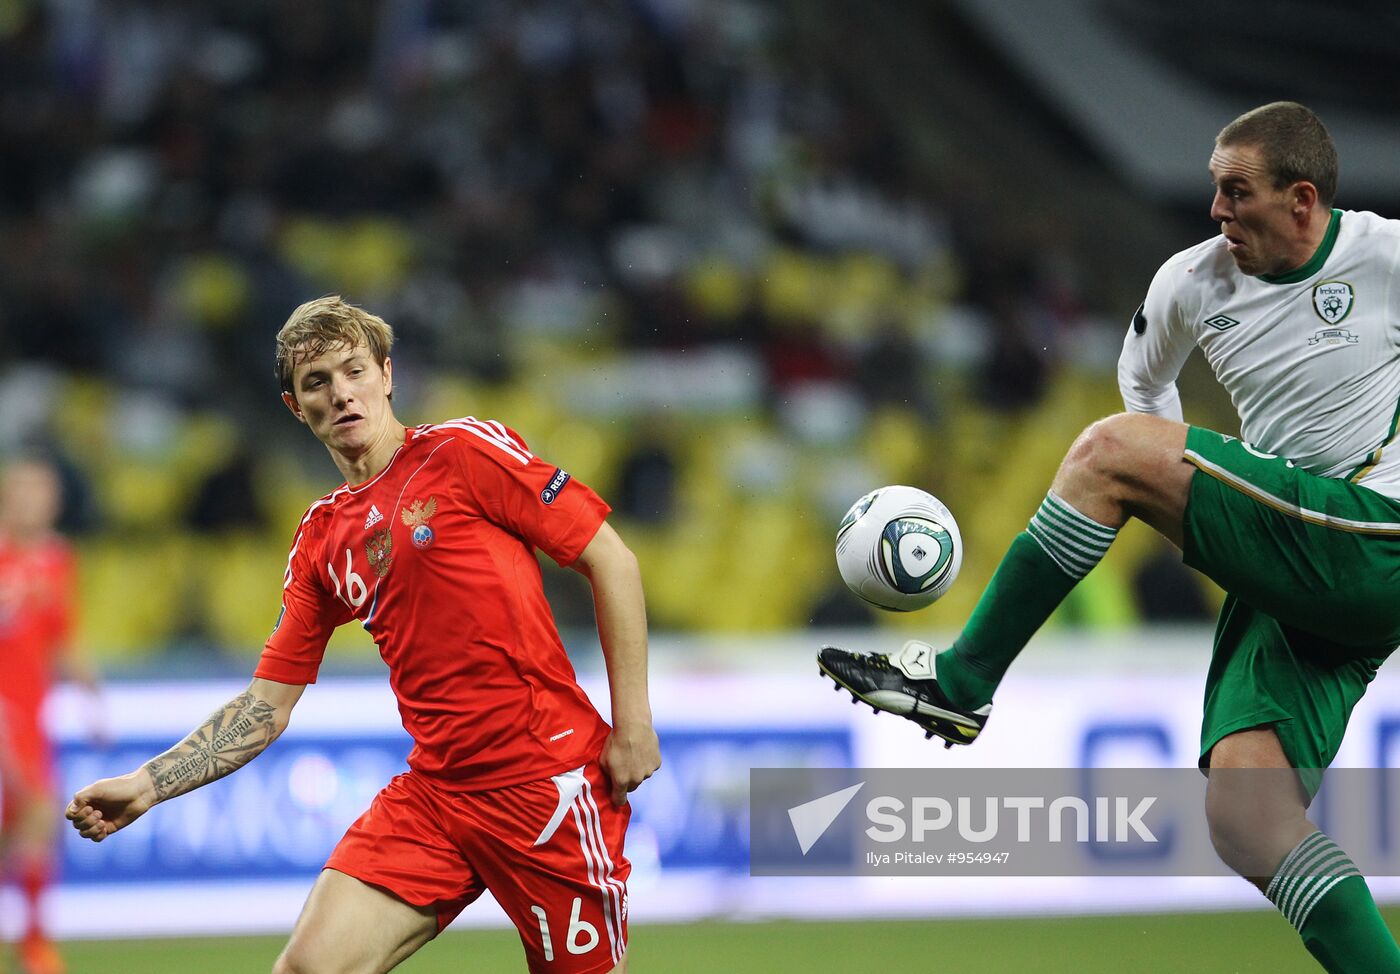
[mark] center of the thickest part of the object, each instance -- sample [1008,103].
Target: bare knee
[1128,465]
[298,961]
[293,963]
[1117,448]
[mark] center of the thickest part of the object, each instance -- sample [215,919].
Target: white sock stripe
[1322,889]
[585,839]
[1299,894]
[1047,546]
[1071,528]
[1092,543]
[1058,505]
[1083,561]
[1087,528]
[1302,877]
[1305,890]
[618,888]
[1303,865]
[1087,546]
[1303,909]
[1288,892]
[1285,868]
[1321,863]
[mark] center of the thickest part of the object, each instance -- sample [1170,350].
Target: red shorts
[550,852]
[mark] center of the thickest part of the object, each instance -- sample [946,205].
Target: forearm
[620,608]
[233,735]
[622,631]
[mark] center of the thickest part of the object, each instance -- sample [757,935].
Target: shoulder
[1191,268]
[479,439]
[1365,224]
[317,518]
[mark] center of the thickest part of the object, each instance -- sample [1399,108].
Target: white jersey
[1311,359]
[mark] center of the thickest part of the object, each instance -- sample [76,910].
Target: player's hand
[105,806]
[631,755]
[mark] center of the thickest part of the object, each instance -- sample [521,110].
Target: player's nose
[1219,208]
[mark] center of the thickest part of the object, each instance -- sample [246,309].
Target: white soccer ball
[898,548]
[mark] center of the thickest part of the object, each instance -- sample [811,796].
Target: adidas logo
[373,517]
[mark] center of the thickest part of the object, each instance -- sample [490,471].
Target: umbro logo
[1221,322]
[373,517]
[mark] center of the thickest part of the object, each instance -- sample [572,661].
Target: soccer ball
[898,548]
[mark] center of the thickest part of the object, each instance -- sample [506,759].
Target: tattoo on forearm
[232,736]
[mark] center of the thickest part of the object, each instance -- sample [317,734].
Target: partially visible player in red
[36,608]
[516,784]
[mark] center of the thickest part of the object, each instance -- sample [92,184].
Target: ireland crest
[1332,300]
[379,549]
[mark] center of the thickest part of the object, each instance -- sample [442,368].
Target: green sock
[1058,548]
[1321,892]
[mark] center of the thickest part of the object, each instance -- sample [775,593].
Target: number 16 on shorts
[582,935]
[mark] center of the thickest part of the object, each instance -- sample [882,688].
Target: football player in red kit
[515,783]
[36,607]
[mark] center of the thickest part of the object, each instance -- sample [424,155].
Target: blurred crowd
[654,236]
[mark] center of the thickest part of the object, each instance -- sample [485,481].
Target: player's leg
[32,855]
[551,852]
[393,882]
[31,827]
[1128,465]
[1257,810]
[1255,819]
[1320,555]
[350,927]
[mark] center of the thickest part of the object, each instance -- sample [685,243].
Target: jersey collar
[1315,262]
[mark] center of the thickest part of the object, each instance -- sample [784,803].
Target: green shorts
[1312,566]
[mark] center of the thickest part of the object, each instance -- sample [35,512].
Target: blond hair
[326,323]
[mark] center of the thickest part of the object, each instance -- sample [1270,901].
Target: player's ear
[292,404]
[1304,198]
[388,378]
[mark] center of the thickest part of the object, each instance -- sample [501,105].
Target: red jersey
[36,586]
[435,557]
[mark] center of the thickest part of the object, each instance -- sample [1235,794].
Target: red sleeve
[309,614]
[529,497]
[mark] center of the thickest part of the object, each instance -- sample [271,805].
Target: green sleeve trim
[1315,262]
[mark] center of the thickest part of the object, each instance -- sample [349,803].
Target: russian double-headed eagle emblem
[379,549]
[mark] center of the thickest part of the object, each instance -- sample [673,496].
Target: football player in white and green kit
[1296,306]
